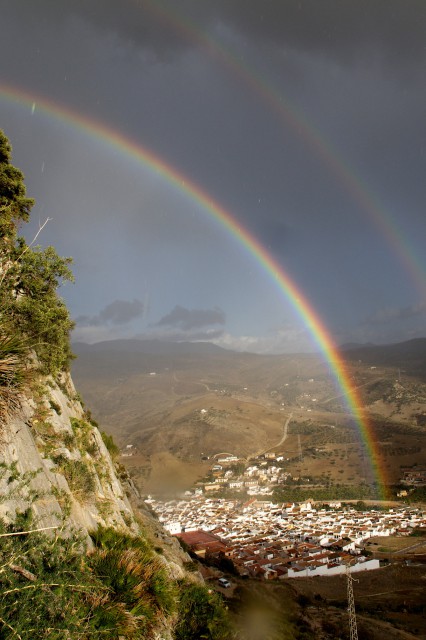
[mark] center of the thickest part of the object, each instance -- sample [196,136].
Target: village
[263,539]
[275,541]
[254,479]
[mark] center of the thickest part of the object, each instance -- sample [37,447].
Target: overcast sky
[304,119]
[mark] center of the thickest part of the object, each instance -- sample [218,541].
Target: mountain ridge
[148,346]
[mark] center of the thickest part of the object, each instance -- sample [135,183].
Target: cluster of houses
[275,541]
[258,478]
[414,475]
[128,451]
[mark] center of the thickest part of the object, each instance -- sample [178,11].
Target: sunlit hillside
[180,405]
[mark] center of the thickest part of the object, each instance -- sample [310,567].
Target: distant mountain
[130,357]
[385,354]
[409,355]
[148,347]
[348,346]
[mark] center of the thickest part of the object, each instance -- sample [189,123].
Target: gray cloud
[188,319]
[397,27]
[385,316]
[119,312]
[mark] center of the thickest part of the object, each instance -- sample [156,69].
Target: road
[284,436]
[285,430]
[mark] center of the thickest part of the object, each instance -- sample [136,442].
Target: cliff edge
[53,460]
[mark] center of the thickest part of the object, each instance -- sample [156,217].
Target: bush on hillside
[202,615]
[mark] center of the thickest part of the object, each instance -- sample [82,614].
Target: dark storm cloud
[144,24]
[398,27]
[385,316]
[188,319]
[119,312]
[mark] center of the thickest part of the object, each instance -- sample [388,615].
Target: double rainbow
[249,242]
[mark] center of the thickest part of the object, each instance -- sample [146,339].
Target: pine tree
[15,207]
[29,277]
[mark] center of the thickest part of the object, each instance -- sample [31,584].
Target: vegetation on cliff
[30,309]
[52,588]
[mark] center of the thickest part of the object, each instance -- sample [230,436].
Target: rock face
[54,460]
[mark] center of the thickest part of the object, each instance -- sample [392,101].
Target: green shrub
[50,588]
[83,432]
[80,477]
[110,445]
[68,440]
[55,406]
[201,615]
[135,576]
[14,375]
[52,592]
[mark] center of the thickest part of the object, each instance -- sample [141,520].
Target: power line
[353,632]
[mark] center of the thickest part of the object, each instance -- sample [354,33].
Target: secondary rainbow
[251,245]
[345,175]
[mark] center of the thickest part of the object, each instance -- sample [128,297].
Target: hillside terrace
[281,541]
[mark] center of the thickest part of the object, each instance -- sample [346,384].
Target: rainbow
[248,241]
[344,174]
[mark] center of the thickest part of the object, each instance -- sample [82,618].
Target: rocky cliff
[54,460]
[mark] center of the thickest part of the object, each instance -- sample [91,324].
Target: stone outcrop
[54,460]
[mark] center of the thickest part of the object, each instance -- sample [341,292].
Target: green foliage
[110,445]
[18,484]
[83,432]
[14,205]
[226,565]
[201,615]
[417,495]
[29,277]
[191,566]
[418,532]
[13,369]
[50,588]
[88,414]
[55,406]
[46,591]
[135,577]
[133,581]
[333,492]
[107,538]
[69,440]
[32,306]
[79,476]
[238,468]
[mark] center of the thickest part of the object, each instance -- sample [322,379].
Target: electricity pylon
[353,632]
